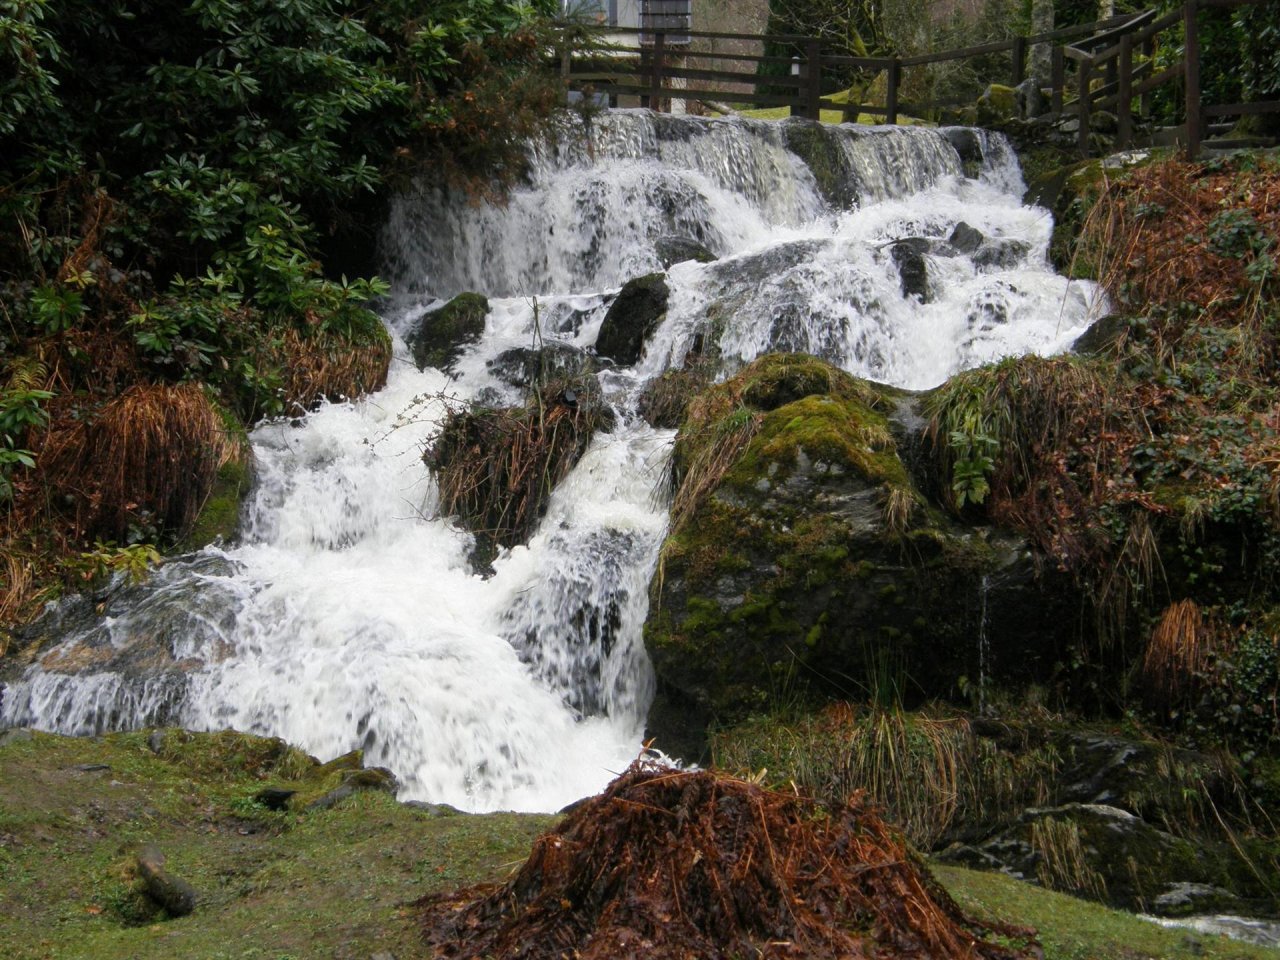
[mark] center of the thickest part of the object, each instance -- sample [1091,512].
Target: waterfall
[348,614]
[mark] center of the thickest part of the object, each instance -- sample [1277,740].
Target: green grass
[831,116]
[1073,929]
[335,883]
[271,885]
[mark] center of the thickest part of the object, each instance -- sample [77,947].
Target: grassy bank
[326,883]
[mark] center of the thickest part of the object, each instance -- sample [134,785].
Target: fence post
[655,81]
[1124,95]
[1019,60]
[813,74]
[1058,78]
[1086,70]
[1189,11]
[891,92]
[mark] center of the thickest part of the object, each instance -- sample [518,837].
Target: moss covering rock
[803,558]
[442,333]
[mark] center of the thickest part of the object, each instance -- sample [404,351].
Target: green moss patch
[329,882]
[442,334]
[219,518]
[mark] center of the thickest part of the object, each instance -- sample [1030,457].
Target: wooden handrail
[1100,40]
[1117,50]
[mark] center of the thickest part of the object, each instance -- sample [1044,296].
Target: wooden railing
[1105,65]
[1118,66]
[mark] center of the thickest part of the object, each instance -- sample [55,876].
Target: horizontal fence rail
[1108,65]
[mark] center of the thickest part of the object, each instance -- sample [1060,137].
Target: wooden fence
[1102,66]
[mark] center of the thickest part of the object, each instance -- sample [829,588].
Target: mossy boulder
[1106,853]
[803,559]
[443,333]
[632,317]
[997,103]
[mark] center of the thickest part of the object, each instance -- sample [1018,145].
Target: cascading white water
[348,616]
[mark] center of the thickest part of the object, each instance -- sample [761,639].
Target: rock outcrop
[803,558]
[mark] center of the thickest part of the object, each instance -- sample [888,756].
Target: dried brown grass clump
[496,468]
[1156,234]
[1178,653]
[669,864]
[17,587]
[1057,429]
[317,366]
[1063,864]
[933,774]
[148,456]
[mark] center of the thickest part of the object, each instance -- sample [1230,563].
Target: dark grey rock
[524,366]
[967,143]
[1029,98]
[1106,853]
[673,250]
[1103,335]
[332,798]
[632,317]
[1001,254]
[1182,899]
[913,269]
[367,778]
[965,238]
[274,798]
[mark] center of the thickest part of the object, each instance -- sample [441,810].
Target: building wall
[728,16]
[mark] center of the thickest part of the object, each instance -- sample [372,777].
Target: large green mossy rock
[805,561]
[442,334]
[997,103]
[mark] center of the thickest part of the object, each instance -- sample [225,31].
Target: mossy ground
[329,883]
[1074,929]
[332,883]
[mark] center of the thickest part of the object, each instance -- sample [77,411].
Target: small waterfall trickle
[348,615]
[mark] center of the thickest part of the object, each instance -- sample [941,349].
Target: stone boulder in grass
[669,864]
